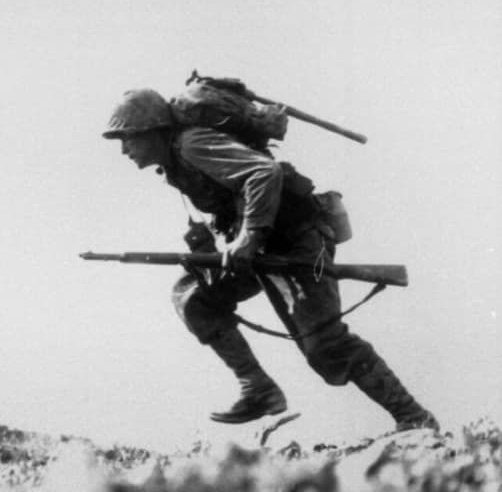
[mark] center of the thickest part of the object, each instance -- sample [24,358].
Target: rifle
[238,87]
[379,274]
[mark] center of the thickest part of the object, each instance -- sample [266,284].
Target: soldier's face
[141,149]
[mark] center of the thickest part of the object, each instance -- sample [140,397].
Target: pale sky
[96,349]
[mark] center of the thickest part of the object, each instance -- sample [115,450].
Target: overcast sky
[96,349]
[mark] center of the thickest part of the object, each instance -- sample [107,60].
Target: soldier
[259,205]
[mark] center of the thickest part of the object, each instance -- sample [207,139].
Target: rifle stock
[382,274]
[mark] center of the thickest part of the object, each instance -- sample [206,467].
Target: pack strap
[261,329]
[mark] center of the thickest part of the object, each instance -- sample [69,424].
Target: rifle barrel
[100,256]
[327,125]
[386,274]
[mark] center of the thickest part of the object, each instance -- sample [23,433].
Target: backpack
[226,104]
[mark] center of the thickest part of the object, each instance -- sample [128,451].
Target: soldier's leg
[371,374]
[209,313]
[309,305]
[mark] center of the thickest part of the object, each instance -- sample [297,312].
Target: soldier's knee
[335,361]
[183,294]
[332,367]
[200,312]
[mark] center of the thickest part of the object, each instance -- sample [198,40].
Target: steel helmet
[139,111]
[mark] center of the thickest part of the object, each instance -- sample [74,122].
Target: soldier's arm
[253,176]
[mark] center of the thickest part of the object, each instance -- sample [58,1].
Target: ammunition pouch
[199,238]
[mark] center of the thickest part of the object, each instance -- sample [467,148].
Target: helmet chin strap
[165,152]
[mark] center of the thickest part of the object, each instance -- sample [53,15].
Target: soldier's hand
[239,254]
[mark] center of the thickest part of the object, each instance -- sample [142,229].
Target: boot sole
[227,419]
[427,421]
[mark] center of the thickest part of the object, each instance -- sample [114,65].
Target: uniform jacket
[240,186]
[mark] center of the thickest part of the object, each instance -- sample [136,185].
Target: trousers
[306,302]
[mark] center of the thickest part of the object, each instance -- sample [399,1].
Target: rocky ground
[417,460]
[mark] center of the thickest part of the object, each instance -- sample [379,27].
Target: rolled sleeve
[250,175]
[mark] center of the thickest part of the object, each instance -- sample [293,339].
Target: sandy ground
[418,460]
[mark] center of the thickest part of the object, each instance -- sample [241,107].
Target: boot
[260,395]
[376,380]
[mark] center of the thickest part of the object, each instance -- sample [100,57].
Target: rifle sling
[261,329]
